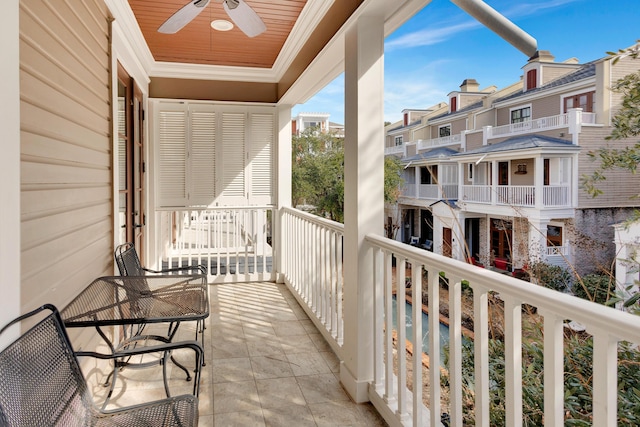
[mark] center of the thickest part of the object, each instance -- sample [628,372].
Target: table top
[123,300]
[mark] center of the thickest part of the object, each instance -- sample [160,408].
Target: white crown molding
[310,17]
[212,72]
[128,26]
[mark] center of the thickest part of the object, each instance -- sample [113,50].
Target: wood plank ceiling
[198,43]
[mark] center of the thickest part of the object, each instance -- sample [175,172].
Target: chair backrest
[128,261]
[41,383]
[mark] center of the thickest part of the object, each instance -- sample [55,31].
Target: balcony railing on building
[517,195]
[572,120]
[312,267]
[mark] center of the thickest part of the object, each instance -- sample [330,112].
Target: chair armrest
[161,348]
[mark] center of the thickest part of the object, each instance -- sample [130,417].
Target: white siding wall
[66,170]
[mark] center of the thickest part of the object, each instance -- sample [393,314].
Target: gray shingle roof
[436,153]
[587,70]
[523,142]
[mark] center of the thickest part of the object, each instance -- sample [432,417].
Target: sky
[441,46]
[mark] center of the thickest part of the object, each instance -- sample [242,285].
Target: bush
[551,276]
[595,287]
[578,387]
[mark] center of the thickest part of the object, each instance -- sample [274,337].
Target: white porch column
[282,184]
[10,165]
[538,239]
[538,181]
[364,195]
[418,179]
[494,182]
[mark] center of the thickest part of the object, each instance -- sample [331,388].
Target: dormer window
[454,104]
[532,79]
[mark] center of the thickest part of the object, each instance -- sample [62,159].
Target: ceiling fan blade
[244,17]
[183,16]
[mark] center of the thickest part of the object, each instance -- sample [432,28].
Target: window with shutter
[212,154]
[202,155]
[233,155]
[172,155]
[262,136]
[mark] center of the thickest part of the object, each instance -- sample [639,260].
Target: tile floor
[266,365]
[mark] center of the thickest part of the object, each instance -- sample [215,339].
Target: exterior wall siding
[591,139]
[66,156]
[593,236]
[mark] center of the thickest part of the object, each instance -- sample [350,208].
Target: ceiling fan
[240,13]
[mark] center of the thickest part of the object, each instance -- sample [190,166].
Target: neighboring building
[305,121]
[507,163]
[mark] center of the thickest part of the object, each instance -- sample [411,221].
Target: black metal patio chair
[41,383]
[129,264]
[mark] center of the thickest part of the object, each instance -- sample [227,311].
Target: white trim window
[444,130]
[398,140]
[520,114]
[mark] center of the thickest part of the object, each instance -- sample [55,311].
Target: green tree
[318,174]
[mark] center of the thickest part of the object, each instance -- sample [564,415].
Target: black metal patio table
[133,302]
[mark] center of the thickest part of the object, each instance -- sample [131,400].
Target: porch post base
[357,389]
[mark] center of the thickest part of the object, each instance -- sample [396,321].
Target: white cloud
[431,36]
[428,36]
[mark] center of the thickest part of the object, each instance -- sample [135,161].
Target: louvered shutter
[260,157]
[172,152]
[233,158]
[202,120]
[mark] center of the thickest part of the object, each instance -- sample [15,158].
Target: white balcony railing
[572,120]
[233,242]
[476,193]
[541,124]
[518,195]
[431,191]
[396,149]
[607,326]
[558,251]
[312,265]
[424,144]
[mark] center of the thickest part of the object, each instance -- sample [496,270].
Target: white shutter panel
[172,137]
[202,155]
[233,158]
[260,155]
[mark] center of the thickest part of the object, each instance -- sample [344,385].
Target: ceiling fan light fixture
[244,17]
[221,25]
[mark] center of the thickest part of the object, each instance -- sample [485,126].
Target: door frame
[132,193]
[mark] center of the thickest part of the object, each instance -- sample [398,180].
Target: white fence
[518,195]
[392,398]
[233,242]
[313,265]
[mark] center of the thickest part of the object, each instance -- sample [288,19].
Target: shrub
[595,287]
[551,276]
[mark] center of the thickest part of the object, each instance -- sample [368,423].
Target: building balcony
[573,120]
[430,191]
[529,196]
[308,322]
